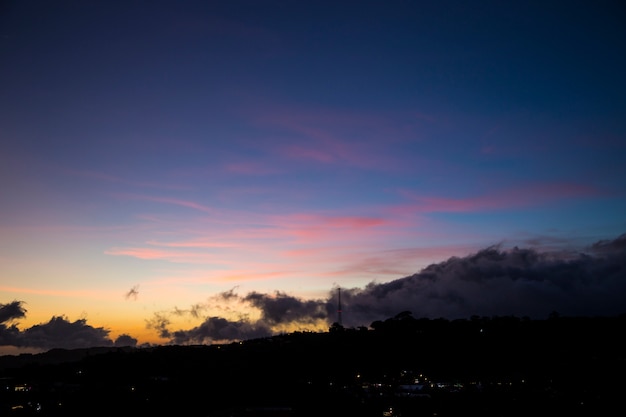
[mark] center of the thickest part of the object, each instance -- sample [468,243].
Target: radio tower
[339,306]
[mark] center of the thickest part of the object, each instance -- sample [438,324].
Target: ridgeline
[402,366]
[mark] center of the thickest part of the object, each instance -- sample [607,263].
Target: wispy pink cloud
[250,275]
[65,229]
[165,255]
[314,227]
[520,197]
[402,262]
[55,293]
[119,180]
[195,243]
[311,154]
[281,240]
[373,261]
[251,272]
[338,136]
[256,246]
[354,222]
[250,168]
[168,200]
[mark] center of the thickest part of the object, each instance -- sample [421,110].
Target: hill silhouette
[400,366]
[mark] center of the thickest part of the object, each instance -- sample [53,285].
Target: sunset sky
[169,168]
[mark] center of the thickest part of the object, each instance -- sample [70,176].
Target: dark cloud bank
[59,332]
[492,282]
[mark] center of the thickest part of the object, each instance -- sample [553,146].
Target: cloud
[119,180]
[218,329]
[173,256]
[9,312]
[494,281]
[328,135]
[12,311]
[133,293]
[59,332]
[281,308]
[278,311]
[250,168]
[168,200]
[125,340]
[159,322]
[615,246]
[525,196]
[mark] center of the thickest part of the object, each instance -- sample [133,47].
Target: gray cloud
[125,340]
[276,309]
[491,282]
[159,322]
[12,311]
[57,333]
[615,246]
[132,293]
[218,329]
[280,308]
[9,335]
[62,333]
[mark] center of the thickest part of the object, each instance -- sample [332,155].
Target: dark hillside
[402,366]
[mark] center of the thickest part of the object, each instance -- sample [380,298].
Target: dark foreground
[502,366]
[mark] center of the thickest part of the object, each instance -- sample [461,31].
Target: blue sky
[185,149]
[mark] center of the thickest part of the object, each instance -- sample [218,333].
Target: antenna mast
[339,306]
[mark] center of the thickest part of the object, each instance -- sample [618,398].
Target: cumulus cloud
[218,329]
[276,310]
[159,322]
[615,246]
[281,308]
[8,313]
[59,332]
[494,281]
[125,340]
[12,311]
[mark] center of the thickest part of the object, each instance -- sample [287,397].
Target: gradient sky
[163,163]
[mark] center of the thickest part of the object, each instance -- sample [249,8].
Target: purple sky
[158,156]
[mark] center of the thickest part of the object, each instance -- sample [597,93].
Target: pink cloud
[278,238]
[250,168]
[375,262]
[336,221]
[168,200]
[170,256]
[56,293]
[532,195]
[286,247]
[254,272]
[249,275]
[310,227]
[317,155]
[193,244]
[405,261]
[339,136]
[115,179]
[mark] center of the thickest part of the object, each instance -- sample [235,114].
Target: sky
[204,171]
